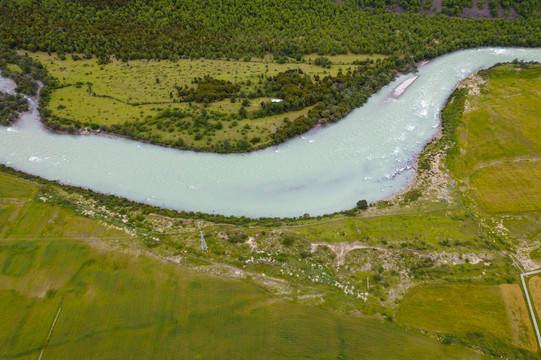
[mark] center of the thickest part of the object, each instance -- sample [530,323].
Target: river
[370,154]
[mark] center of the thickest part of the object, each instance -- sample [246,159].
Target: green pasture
[501,122]
[116,302]
[495,150]
[13,188]
[509,187]
[534,287]
[14,68]
[135,81]
[494,310]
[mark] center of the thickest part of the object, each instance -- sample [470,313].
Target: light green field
[344,59]
[113,301]
[509,187]
[14,68]
[495,310]
[495,152]
[502,121]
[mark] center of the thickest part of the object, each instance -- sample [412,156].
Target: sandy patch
[400,89]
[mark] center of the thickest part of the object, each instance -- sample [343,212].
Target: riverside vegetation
[10,107]
[222,103]
[408,262]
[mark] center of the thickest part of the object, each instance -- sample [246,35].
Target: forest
[169,29]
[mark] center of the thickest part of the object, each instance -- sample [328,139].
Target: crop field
[501,119]
[495,153]
[494,310]
[110,300]
[509,187]
[534,286]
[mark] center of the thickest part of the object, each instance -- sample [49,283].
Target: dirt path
[341,249]
[508,161]
[50,332]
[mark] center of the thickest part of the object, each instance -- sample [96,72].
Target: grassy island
[206,105]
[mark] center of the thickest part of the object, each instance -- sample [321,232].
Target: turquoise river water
[369,155]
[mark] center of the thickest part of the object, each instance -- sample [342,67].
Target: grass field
[138,91]
[416,229]
[508,187]
[116,302]
[494,155]
[135,81]
[501,121]
[107,111]
[495,310]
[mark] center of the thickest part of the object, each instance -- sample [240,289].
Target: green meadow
[131,97]
[500,120]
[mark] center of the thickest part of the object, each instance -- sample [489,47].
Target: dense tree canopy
[229,28]
[10,107]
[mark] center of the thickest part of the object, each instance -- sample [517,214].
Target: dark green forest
[168,29]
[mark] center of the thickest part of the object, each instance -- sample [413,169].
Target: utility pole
[204,246]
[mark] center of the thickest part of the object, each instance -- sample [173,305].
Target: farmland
[500,120]
[115,300]
[510,187]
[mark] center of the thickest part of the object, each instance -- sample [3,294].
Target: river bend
[369,155]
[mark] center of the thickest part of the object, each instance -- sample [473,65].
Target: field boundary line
[510,96]
[50,332]
[503,162]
